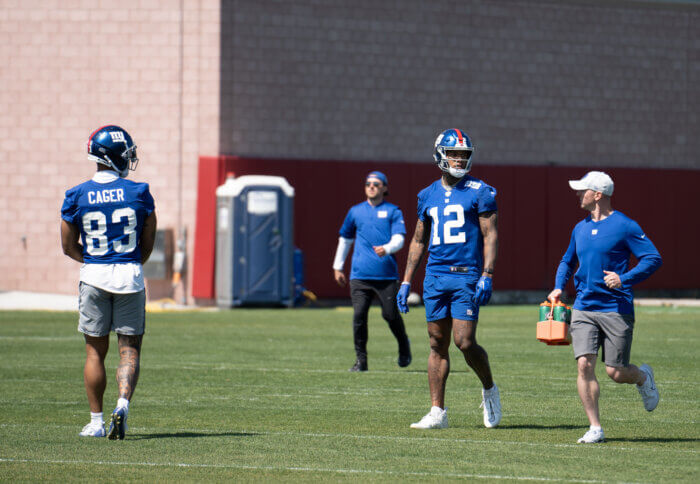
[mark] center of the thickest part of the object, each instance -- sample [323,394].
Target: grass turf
[265,395]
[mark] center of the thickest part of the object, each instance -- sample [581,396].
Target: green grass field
[251,395]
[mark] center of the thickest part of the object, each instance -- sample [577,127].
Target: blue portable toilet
[255,242]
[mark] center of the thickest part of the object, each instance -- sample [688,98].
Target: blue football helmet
[453,140]
[112,146]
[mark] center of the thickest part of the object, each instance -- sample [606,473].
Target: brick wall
[612,83]
[69,67]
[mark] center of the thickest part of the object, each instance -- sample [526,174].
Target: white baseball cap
[596,181]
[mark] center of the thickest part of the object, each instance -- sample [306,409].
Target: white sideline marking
[299,469]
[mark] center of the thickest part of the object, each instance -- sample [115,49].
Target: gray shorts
[103,311]
[591,330]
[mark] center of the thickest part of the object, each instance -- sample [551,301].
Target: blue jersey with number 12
[110,217]
[455,234]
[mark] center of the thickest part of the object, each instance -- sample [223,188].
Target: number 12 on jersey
[449,226]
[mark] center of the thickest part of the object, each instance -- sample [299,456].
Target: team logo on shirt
[594,231]
[382,214]
[474,185]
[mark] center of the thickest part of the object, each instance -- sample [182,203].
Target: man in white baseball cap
[602,319]
[597,181]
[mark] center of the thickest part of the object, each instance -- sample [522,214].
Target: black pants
[362,291]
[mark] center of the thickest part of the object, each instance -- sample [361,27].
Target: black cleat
[405,357]
[359,366]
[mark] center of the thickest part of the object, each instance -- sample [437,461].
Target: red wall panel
[537,211]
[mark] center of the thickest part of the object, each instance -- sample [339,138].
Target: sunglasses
[373,184]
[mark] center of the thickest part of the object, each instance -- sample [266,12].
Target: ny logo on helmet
[117,136]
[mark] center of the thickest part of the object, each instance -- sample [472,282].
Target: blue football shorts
[450,296]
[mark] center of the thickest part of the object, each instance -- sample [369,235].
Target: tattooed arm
[488,222]
[417,249]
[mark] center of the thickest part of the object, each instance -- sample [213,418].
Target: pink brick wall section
[70,67]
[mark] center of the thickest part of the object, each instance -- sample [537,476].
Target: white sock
[96,418]
[436,409]
[123,403]
[596,427]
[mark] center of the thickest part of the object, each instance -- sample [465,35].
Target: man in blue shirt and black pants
[603,313]
[377,229]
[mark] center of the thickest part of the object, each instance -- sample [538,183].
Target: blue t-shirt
[371,226]
[607,245]
[455,233]
[110,217]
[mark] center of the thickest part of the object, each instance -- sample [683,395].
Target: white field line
[302,469]
[398,438]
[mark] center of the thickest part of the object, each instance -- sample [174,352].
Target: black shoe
[405,357]
[359,366]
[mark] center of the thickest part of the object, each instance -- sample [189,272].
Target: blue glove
[402,297]
[483,291]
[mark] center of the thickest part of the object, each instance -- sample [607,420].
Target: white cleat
[93,430]
[648,391]
[435,419]
[491,403]
[592,437]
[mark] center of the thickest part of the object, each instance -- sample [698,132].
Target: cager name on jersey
[106,196]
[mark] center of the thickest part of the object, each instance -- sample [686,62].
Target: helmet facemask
[446,153]
[128,163]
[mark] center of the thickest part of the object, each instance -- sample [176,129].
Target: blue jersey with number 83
[110,217]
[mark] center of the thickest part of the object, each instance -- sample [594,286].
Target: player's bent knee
[466,345]
[130,340]
[618,375]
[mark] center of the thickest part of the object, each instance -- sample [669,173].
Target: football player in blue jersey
[457,225]
[603,313]
[377,229]
[109,225]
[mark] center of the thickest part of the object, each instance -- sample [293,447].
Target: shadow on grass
[653,439]
[189,435]
[543,427]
